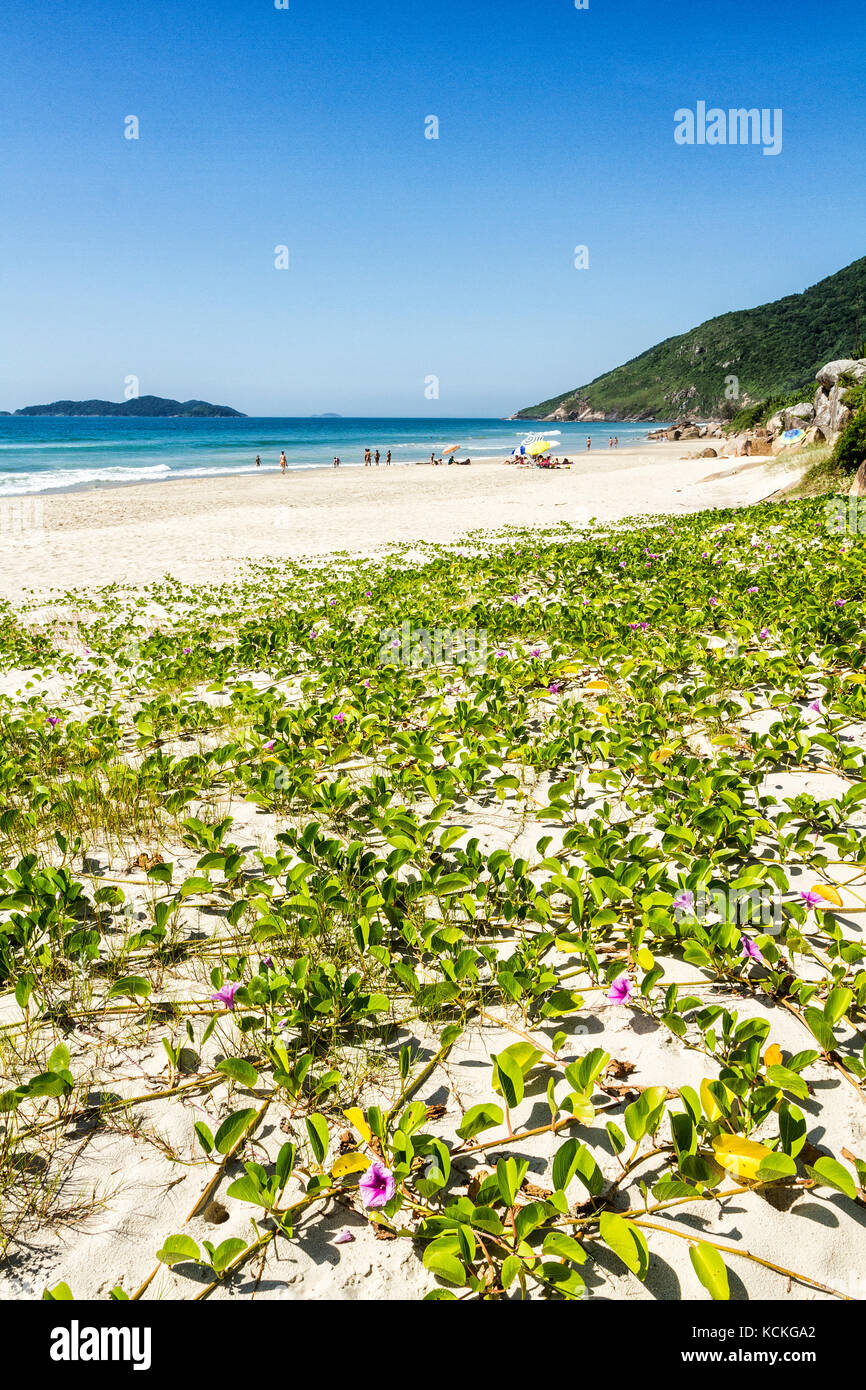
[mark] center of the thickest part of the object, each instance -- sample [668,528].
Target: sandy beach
[205,529]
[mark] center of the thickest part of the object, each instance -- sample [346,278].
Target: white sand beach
[204,529]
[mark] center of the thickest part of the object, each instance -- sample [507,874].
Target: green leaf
[818,1025]
[247,1190]
[131,986]
[479,1118]
[226,1252]
[565,1164]
[205,1138]
[564,1247]
[176,1249]
[232,1129]
[829,1173]
[710,1269]
[626,1241]
[440,1259]
[238,1070]
[837,1005]
[778,1165]
[61,1293]
[317,1129]
[788,1081]
[508,1078]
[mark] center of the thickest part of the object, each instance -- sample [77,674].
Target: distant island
[729,362]
[139,405]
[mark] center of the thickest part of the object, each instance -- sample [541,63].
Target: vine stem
[746,1255]
[259,1115]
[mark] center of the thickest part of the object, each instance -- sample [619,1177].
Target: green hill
[772,350]
[149,406]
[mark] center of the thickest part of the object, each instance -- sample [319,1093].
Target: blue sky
[410,258]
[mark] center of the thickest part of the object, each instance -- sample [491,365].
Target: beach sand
[203,529]
[134,1190]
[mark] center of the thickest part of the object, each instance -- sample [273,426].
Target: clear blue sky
[409,257]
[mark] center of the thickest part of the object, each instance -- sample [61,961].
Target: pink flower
[339,718]
[377,1185]
[753,590]
[840,602]
[684,901]
[812,899]
[536,651]
[714,602]
[621,990]
[270,745]
[226,995]
[345,1237]
[750,950]
[555,687]
[502,653]
[764,633]
[816,706]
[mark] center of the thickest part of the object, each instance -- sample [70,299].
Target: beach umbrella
[452,449]
[536,450]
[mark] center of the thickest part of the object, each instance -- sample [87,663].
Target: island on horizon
[149,406]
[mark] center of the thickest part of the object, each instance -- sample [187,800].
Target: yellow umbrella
[541,448]
[452,449]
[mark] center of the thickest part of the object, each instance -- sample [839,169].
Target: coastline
[206,529]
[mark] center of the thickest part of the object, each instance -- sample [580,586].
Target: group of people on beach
[612,443]
[368,460]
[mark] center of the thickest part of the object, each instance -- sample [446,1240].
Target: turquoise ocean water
[41,454]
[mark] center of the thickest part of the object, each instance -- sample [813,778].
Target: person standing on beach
[377,456]
[388,459]
[283,462]
[258,462]
[366,458]
[610,442]
[616,441]
[336,462]
[588,442]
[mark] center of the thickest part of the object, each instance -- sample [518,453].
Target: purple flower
[187,650]
[536,651]
[377,1185]
[366,683]
[339,718]
[840,602]
[53,720]
[368,593]
[344,1238]
[267,962]
[270,745]
[621,990]
[753,590]
[502,653]
[313,632]
[226,995]
[816,706]
[685,901]
[812,899]
[764,633]
[750,950]
[714,602]
[555,687]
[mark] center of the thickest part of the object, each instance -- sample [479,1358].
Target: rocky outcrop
[858,483]
[847,366]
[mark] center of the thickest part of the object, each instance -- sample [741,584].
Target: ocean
[42,454]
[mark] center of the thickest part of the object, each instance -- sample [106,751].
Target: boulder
[691,433]
[776,423]
[858,486]
[708,454]
[804,411]
[845,366]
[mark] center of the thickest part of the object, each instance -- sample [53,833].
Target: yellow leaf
[599,685]
[645,959]
[350,1163]
[856,677]
[708,1101]
[742,1157]
[828,893]
[773,1056]
[661,755]
[356,1118]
